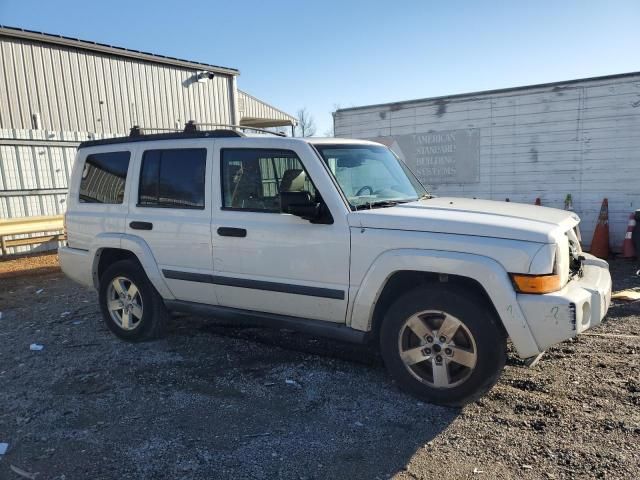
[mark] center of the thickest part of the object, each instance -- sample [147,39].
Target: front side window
[371,175]
[173,178]
[252,179]
[103,177]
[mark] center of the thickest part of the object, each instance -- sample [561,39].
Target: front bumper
[580,305]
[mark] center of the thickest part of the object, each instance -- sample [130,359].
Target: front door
[268,261]
[171,211]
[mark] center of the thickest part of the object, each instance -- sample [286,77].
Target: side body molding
[140,249]
[486,271]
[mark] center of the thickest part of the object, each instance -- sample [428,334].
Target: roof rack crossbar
[241,127]
[138,131]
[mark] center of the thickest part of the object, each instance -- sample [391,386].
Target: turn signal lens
[536,283]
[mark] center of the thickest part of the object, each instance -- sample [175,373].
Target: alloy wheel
[437,349]
[124,303]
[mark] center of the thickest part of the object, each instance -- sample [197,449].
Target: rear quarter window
[103,177]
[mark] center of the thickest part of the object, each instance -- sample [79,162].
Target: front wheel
[443,346]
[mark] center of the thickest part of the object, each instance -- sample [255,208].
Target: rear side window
[103,177]
[173,178]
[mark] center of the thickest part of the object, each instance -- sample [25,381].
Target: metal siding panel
[162,114]
[107,123]
[198,102]
[149,94]
[111,105]
[178,78]
[159,95]
[118,69]
[168,101]
[219,112]
[44,108]
[4,111]
[99,96]
[85,86]
[51,85]
[74,91]
[21,85]
[127,76]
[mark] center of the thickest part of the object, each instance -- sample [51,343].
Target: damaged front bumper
[580,305]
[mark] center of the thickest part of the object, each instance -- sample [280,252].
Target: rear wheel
[443,346]
[131,306]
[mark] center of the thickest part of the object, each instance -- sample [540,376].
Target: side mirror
[301,204]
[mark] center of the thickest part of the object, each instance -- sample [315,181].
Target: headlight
[536,283]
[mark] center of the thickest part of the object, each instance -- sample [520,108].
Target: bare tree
[306,125]
[330,132]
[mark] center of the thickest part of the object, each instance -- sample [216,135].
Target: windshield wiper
[378,204]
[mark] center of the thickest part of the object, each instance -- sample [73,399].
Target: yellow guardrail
[24,225]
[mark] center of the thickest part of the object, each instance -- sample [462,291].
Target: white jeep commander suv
[329,236]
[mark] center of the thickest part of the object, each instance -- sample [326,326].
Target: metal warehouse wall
[57,91]
[85,91]
[577,137]
[250,107]
[35,166]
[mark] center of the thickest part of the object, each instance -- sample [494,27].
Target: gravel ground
[32,265]
[215,401]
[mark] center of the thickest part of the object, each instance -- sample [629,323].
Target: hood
[465,216]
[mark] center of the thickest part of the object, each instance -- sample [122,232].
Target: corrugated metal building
[578,137]
[57,91]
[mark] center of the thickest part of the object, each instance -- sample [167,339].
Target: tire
[147,317]
[478,342]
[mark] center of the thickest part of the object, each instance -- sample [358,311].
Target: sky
[323,55]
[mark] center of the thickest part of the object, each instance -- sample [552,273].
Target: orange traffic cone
[538,202]
[600,242]
[628,250]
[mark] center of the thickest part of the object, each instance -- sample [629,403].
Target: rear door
[170,208]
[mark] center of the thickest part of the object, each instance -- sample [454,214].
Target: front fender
[140,249]
[486,271]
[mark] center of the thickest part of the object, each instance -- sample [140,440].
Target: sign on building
[447,156]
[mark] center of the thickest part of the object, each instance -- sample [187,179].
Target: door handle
[232,232]
[141,225]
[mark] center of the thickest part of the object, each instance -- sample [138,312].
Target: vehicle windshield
[371,176]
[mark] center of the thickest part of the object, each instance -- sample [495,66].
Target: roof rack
[191,130]
[192,127]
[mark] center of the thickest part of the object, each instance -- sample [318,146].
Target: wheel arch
[402,281]
[396,270]
[109,248]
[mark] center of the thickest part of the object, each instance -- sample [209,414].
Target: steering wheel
[362,190]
